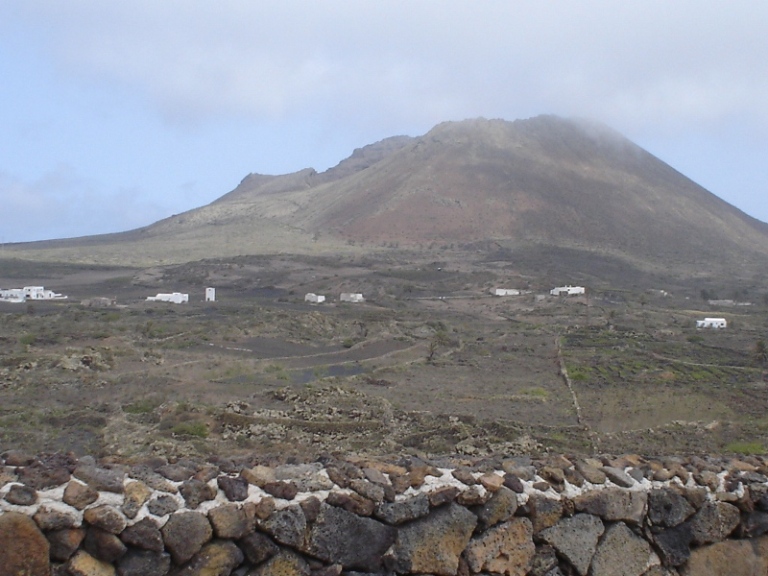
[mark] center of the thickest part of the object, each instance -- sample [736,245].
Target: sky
[114,115]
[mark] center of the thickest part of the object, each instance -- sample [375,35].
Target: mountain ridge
[545,180]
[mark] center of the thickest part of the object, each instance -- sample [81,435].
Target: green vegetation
[745,448]
[193,428]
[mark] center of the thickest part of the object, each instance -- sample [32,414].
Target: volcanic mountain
[544,181]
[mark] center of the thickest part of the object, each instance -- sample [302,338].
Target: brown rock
[613,504]
[259,475]
[464,475]
[83,564]
[105,517]
[369,490]
[100,478]
[176,472]
[229,521]
[136,494]
[286,563]
[337,477]
[376,476]
[475,496]
[64,543]
[79,495]
[217,558]
[443,495]
[184,535]
[590,473]
[264,508]
[24,549]
[491,481]
[284,490]
[500,507]
[505,549]
[400,482]
[51,519]
[18,458]
[731,557]
[41,476]
[311,508]
[621,552]
[353,503]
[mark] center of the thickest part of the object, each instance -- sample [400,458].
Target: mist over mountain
[544,181]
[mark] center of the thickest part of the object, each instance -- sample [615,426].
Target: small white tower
[210,294]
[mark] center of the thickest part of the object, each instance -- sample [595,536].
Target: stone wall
[515,516]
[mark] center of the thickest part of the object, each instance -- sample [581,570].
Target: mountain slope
[542,181]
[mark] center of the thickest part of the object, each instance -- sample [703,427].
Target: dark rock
[753,524]
[206,473]
[353,541]
[667,507]
[40,476]
[369,490]
[311,508]
[575,539]
[162,505]
[229,521]
[552,475]
[288,526]
[100,478]
[543,512]
[621,551]
[258,547]
[105,517]
[64,543]
[514,483]
[219,557]
[235,488]
[337,477]
[404,511]
[144,563]
[280,489]
[24,550]
[674,544]
[432,545]
[543,561]
[400,482]
[591,474]
[184,535]
[21,495]
[103,545]
[79,495]
[136,495]
[475,496]
[499,508]
[714,522]
[573,477]
[196,492]
[144,534]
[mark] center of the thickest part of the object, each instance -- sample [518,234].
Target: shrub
[746,448]
[196,429]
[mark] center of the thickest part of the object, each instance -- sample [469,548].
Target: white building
[29,293]
[314,298]
[174,298]
[351,297]
[568,291]
[712,323]
[210,294]
[505,292]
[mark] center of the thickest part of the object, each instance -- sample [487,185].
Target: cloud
[420,62]
[62,204]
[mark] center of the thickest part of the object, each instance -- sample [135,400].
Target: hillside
[544,181]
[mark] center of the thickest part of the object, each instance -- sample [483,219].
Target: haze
[116,115]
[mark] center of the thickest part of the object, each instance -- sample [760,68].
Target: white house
[568,290]
[314,298]
[174,298]
[505,292]
[210,294]
[351,297]
[29,293]
[712,323]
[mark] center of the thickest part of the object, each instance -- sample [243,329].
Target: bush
[27,339]
[196,429]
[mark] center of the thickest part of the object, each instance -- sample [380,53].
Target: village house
[174,298]
[351,297]
[210,294]
[568,291]
[17,295]
[712,323]
[314,298]
[505,292]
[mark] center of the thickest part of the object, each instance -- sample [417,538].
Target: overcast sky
[116,114]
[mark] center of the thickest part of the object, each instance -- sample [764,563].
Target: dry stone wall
[555,516]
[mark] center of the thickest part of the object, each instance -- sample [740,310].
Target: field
[430,364]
